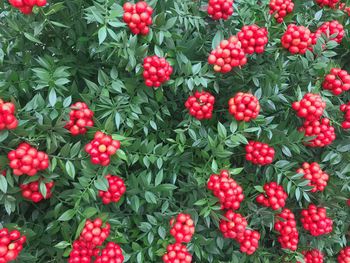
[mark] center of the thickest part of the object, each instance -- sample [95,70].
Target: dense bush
[81,50]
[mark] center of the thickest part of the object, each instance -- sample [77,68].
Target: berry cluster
[313,256]
[346,109]
[115,190]
[249,241]
[11,244]
[182,228]
[337,81]
[286,226]
[233,225]
[26,6]
[7,116]
[315,220]
[332,30]
[259,153]
[297,39]
[329,3]
[344,255]
[281,8]
[244,107]
[101,148]
[138,17]
[92,236]
[274,196]
[227,55]
[32,192]
[112,253]
[220,9]
[253,39]
[313,172]
[344,8]
[229,193]
[156,71]
[80,118]
[177,253]
[310,107]
[324,132]
[27,160]
[201,105]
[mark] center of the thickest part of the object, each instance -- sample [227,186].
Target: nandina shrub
[65,53]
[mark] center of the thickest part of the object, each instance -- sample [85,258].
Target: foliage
[82,51]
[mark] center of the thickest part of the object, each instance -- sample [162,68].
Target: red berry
[227,55]
[329,3]
[220,9]
[285,224]
[177,253]
[115,190]
[315,220]
[182,228]
[280,8]
[312,172]
[31,191]
[297,39]
[111,253]
[138,17]
[324,132]
[156,71]
[274,196]
[249,241]
[311,107]
[253,39]
[332,30]
[346,109]
[8,119]
[233,226]
[201,105]
[229,193]
[259,153]
[344,255]
[80,118]
[313,256]
[337,81]
[11,244]
[244,107]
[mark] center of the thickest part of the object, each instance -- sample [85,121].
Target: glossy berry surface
[101,148]
[331,30]
[253,39]
[344,255]
[26,6]
[315,220]
[27,160]
[259,153]
[227,55]
[11,244]
[280,8]
[233,225]
[313,172]
[313,256]
[337,81]
[249,241]
[201,105]
[32,192]
[346,109]
[274,196]
[182,228]
[80,118]
[177,253]
[112,253]
[156,71]
[138,17]
[297,39]
[227,190]
[310,107]
[285,225]
[8,119]
[244,107]
[322,129]
[220,9]
[115,191]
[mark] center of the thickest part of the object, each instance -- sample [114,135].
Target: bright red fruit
[8,119]
[101,148]
[329,3]
[115,190]
[337,81]
[280,8]
[315,220]
[156,71]
[138,17]
[253,39]
[297,39]
[343,7]
[220,9]
[229,193]
[313,172]
[313,256]
[285,224]
[259,153]
[82,252]
[311,107]
[324,132]
[201,105]
[227,55]
[274,196]
[94,232]
[344,255]
[111,253]
[182,228]
[332,30]
[11,244]
[346,109]
[80,118]
[233,225]
[177,253]
[249,241]
[244,107]
[27,160]
[32,192]
[26,6]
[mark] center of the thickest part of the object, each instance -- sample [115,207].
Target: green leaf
[52,97]
[3,183]
[70,169]
[102,34]
[68,215]
[30,37]
[62,245]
